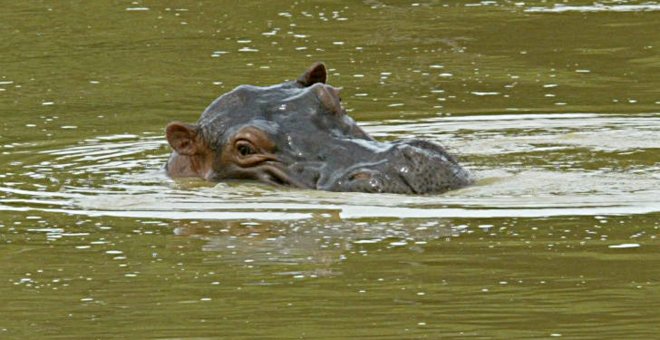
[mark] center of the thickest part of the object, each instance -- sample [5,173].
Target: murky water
[554,106]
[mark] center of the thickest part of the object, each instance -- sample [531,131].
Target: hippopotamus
[298,134]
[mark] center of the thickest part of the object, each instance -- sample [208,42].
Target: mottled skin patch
[297,134]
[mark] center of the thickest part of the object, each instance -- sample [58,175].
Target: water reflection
[310,249]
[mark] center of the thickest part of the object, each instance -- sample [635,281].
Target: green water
[555,109]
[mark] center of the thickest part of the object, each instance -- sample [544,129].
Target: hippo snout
[408,167]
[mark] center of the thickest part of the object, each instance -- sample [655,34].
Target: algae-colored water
[555,106]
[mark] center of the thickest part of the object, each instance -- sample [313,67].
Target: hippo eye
[244,148]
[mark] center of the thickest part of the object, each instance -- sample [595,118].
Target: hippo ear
[317,73]
[329,97]
[183,138]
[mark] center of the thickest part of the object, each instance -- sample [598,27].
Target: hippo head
[297,134]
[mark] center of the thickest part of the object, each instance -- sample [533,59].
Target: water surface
[554,106]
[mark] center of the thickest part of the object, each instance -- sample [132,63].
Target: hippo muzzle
[298,134]
[407,167]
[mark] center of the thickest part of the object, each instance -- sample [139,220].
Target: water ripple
[595,8]
[527,166]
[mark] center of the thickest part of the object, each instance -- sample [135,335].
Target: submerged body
[297,134]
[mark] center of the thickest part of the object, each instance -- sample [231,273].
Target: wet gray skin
[297,134]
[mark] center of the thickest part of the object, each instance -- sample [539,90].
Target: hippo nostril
[360,176]
[365,180]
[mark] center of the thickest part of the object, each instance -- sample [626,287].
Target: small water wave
[649,7]
[524,132]
[528,166]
